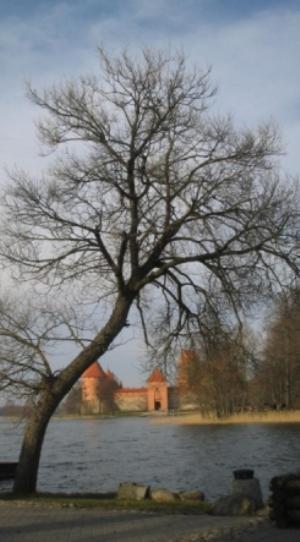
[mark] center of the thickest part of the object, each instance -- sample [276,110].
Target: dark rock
[293,502]
[293,484]
[294,515]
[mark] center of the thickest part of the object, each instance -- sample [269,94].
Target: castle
[102,392]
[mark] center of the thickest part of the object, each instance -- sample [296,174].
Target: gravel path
[27,523]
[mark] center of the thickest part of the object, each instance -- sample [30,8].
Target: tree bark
[55,391]
[27,471]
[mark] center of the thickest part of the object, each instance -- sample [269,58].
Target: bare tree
[278,374]
[224,374]
[215,373]
[27,331]
[160,201]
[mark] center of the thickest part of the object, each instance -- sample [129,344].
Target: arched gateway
[158,398]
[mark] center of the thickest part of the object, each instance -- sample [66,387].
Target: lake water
[93,455]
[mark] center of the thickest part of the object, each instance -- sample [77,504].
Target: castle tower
[157,391]
[187,375]
[186,370]
[91,381]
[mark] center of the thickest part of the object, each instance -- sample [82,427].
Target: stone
[293,484]
[293,502]
[248,488]
[294,515]
[194,495]
[164,495]
[133,491]
[234,505]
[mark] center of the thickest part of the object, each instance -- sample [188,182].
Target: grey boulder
[193,495]
[164,495]
[133,491]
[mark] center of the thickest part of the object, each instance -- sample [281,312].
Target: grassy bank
[107,502]
[107,416]
[196,418]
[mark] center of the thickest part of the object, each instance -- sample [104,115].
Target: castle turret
[186,370]
[90,387]
[157,391]
[186,381]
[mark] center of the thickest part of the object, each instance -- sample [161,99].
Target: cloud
[254,54]
[256,72]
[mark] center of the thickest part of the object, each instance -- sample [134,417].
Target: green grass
[109,501]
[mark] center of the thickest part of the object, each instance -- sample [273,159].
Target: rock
[294,515]
[293,484]
[164,495]
[193,495]
[293,503]
[133,491]
[248,488]
[234,505]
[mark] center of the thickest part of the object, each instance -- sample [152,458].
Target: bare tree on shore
[151,201]
[277,375]
[214,373]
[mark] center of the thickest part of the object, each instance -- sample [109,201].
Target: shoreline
[185,417]
[196,418]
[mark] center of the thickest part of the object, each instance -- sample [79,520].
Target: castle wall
[131,400]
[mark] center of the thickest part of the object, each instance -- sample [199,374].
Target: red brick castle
[102,392]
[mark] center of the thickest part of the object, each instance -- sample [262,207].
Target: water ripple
[95,455]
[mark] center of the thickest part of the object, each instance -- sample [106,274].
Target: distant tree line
[231,373]
[277,375]
[12,409]
[216,377]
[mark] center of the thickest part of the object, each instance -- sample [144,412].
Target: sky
[253,48]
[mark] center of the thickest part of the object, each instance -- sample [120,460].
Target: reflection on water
[95,455]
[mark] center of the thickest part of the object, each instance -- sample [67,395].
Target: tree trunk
[27,471]
[55,391]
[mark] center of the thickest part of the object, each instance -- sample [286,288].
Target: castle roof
[94,371]
[156,376]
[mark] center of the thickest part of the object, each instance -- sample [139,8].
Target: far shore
[196,418]
[187,417]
